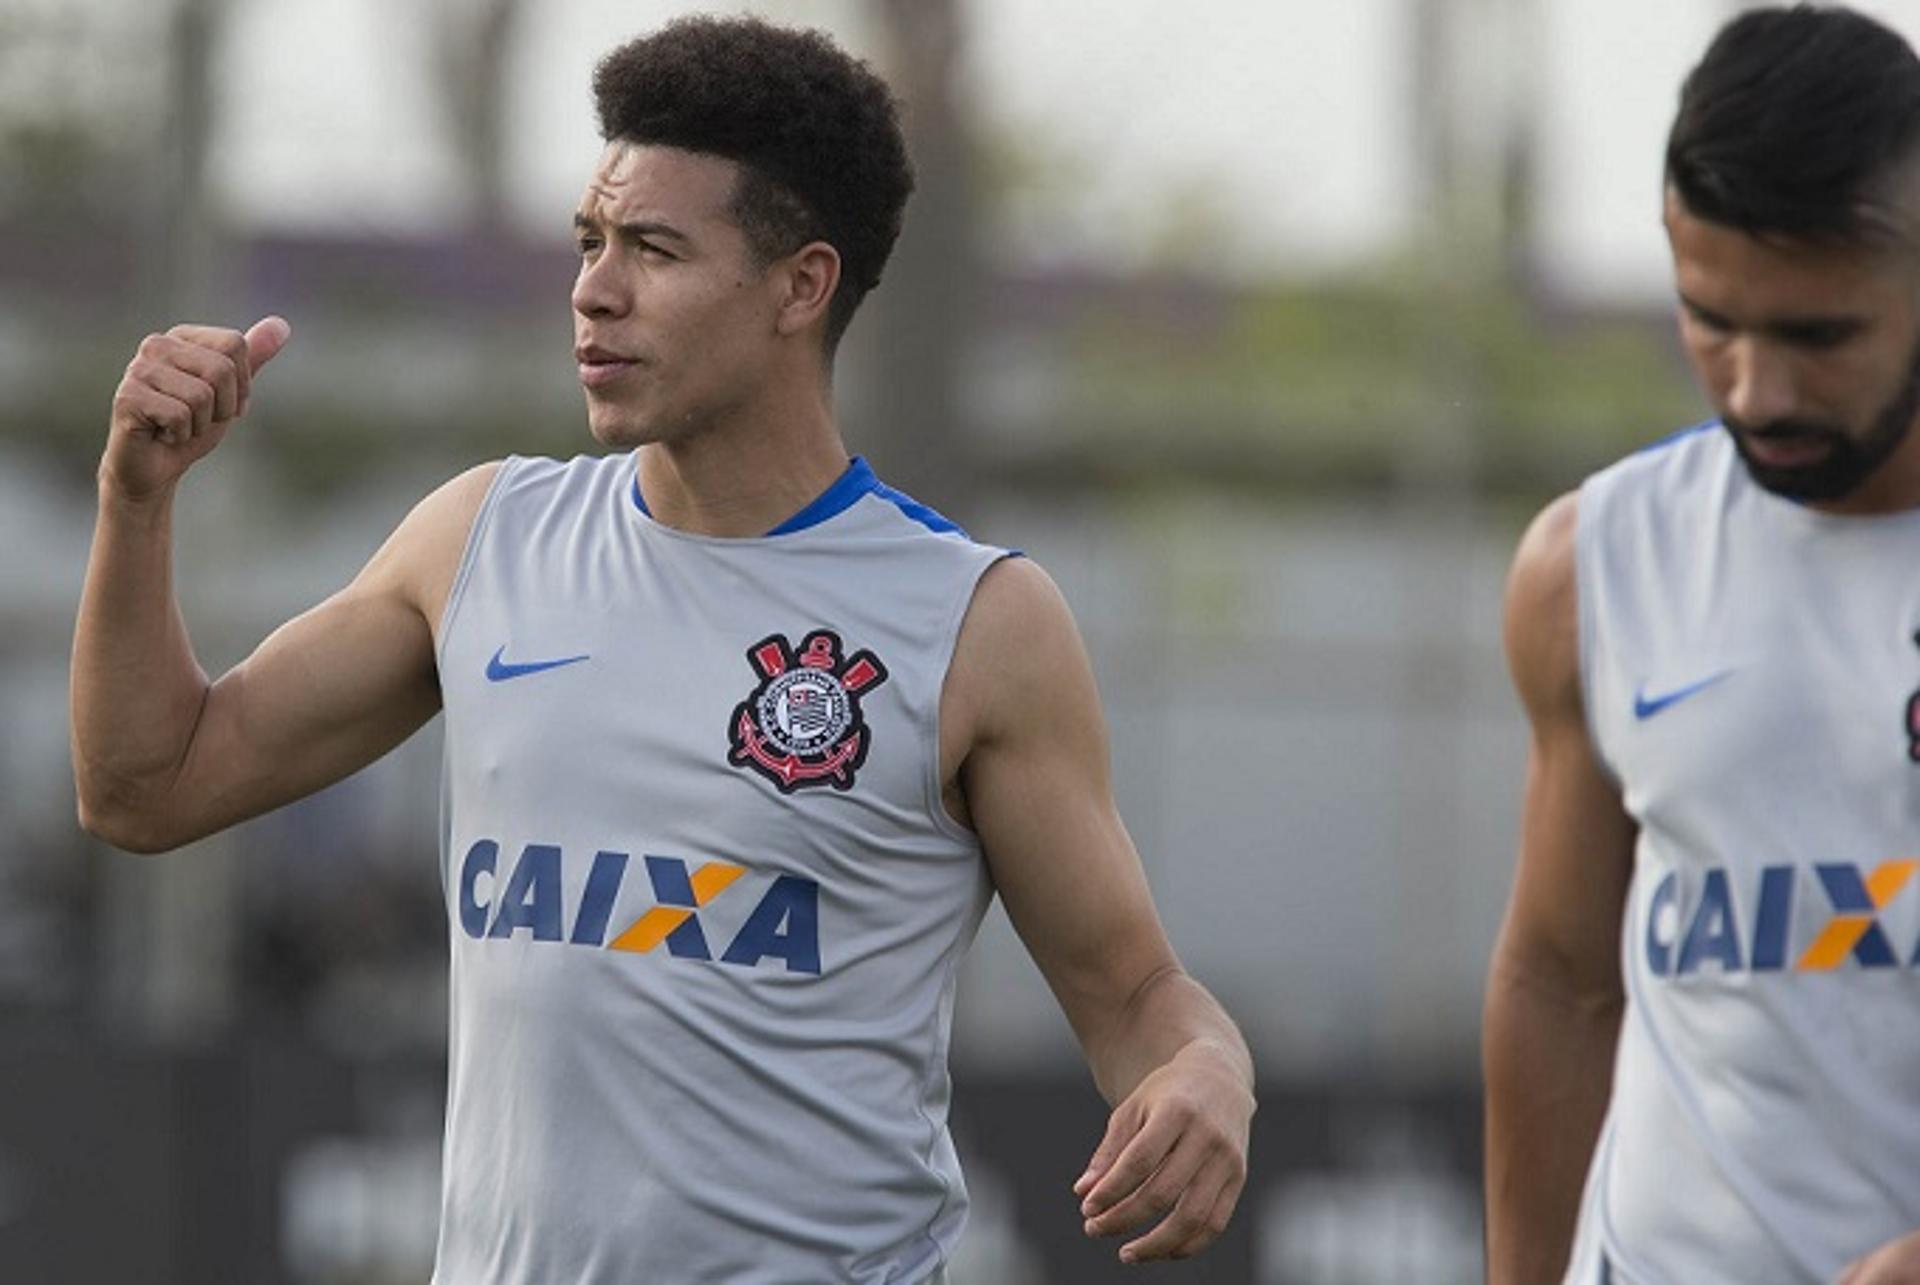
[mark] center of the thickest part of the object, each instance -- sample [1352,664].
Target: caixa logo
[1682,936]
[785,925]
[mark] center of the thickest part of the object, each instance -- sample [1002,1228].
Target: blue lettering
[481,859]
[672,886]
[1712,935]
[1770,923]
[786,925]
[532,898]
[1845,889]
[596,903]
[1848,893]
[1660,953]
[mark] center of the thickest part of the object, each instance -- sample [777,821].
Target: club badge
[802,726]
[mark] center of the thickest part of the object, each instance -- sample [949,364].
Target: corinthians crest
[802,726]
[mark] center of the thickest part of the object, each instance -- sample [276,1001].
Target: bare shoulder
[422,556]
[1015,597]
[1018,645]
[445,516]
[1542,619]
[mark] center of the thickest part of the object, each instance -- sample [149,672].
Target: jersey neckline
[1797,513]
[856,480]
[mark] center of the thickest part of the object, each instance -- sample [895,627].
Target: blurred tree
[907,355]
[188,278]
[473,41]
[57,120]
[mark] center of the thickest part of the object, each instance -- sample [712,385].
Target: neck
[743,479]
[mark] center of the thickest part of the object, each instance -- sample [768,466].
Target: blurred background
[1263,325]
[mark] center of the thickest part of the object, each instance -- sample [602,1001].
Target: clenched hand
[181,391]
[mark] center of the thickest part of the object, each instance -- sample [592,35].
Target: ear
[809,275]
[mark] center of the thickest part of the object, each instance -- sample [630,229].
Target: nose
[596,289]
[1760,382]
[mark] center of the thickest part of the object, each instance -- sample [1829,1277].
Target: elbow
[114,822]
[1526,1006]
[1593,990]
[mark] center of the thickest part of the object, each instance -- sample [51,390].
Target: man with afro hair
[740,742]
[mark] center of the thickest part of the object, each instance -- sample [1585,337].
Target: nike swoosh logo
[1645,706]
[499,670]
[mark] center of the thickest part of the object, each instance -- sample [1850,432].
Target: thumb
[265,338]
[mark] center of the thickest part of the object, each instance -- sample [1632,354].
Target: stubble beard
[1848,462]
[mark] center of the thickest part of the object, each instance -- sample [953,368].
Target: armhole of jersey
[950,641]
[482,516]
[1585,559]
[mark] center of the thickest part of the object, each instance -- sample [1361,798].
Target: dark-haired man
[739,743]
[1701,1047]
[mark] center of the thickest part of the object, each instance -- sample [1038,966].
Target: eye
[1710,322]
[1818,334]
[586,245]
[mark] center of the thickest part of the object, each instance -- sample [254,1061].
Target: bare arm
[1554,993]
[1895,1263]
[1033,773]
[161,755]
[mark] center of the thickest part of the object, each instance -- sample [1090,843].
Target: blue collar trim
[848,487]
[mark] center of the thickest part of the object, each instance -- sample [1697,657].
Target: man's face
[673,320]
[1810,354]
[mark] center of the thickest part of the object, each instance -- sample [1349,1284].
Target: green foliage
[1335,382]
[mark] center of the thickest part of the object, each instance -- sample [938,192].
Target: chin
[610,427]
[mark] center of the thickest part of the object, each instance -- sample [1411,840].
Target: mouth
[600,367]
[1784,451]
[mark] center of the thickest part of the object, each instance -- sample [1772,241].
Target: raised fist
[181,391]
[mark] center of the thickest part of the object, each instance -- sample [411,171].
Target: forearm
[137,690]
[1168,1013]
[1548,1061]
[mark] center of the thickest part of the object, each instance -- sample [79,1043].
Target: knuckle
[1156,1203]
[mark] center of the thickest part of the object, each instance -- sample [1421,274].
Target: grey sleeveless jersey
[706,905]
[1750,668]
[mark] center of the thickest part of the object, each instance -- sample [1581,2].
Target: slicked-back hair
[815,132]
[1796,124]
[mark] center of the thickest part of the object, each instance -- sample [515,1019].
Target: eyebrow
[634,231]
[1823,324]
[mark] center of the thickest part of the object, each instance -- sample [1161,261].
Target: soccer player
[1702,1040]
[740,742]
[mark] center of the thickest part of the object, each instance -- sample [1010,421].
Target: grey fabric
[1748,665]
[706,906]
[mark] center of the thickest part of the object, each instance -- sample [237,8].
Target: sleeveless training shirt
[706,905]
[1750,668]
